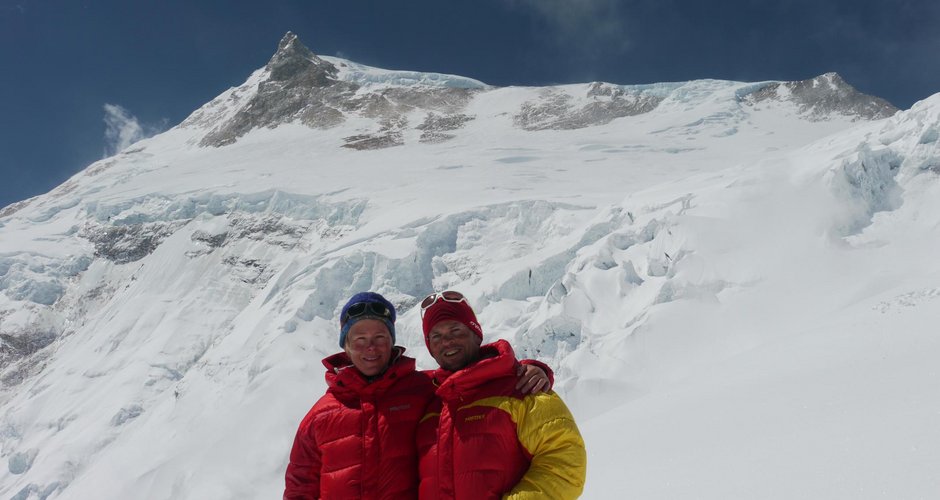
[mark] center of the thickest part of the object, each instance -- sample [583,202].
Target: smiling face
[453,345]
[369,346]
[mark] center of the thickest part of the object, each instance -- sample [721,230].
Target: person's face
[369,346]
[453,345]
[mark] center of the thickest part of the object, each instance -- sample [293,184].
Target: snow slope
[737,294]
[811,372]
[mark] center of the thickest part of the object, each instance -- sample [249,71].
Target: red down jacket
[481,438]
[358,440]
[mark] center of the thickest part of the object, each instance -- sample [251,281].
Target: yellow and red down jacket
[481,438]
[358,440]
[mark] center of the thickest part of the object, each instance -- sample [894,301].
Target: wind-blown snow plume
[123,129]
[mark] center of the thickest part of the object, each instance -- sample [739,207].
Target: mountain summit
[296,65]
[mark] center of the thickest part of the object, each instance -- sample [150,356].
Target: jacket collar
[496,360]
[343,378]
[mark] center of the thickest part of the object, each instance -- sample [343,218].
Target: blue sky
[63,61]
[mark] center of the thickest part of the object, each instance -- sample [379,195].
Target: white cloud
[123,129]
[584,24]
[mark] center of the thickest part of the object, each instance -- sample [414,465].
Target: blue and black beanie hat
[366,305]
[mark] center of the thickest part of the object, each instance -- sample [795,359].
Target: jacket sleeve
[559,461]
[303,472]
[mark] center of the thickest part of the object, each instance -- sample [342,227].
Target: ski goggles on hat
[366,309]
[446,296]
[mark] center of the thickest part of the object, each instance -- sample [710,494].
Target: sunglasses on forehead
[446,296]
[366,309]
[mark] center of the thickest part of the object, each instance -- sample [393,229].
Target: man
[358,440]
[481,437]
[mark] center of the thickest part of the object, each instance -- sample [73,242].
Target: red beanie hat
[457,311]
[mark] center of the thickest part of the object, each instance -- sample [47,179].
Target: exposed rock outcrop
[823,96]
[604,103]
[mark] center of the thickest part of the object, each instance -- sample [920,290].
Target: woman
[358,440]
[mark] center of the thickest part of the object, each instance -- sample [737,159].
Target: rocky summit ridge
[298,86]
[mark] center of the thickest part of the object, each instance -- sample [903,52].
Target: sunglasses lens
[379,310]
[452,296]
[426,303]
[356,310]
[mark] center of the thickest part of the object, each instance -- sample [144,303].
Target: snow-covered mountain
[737,283]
